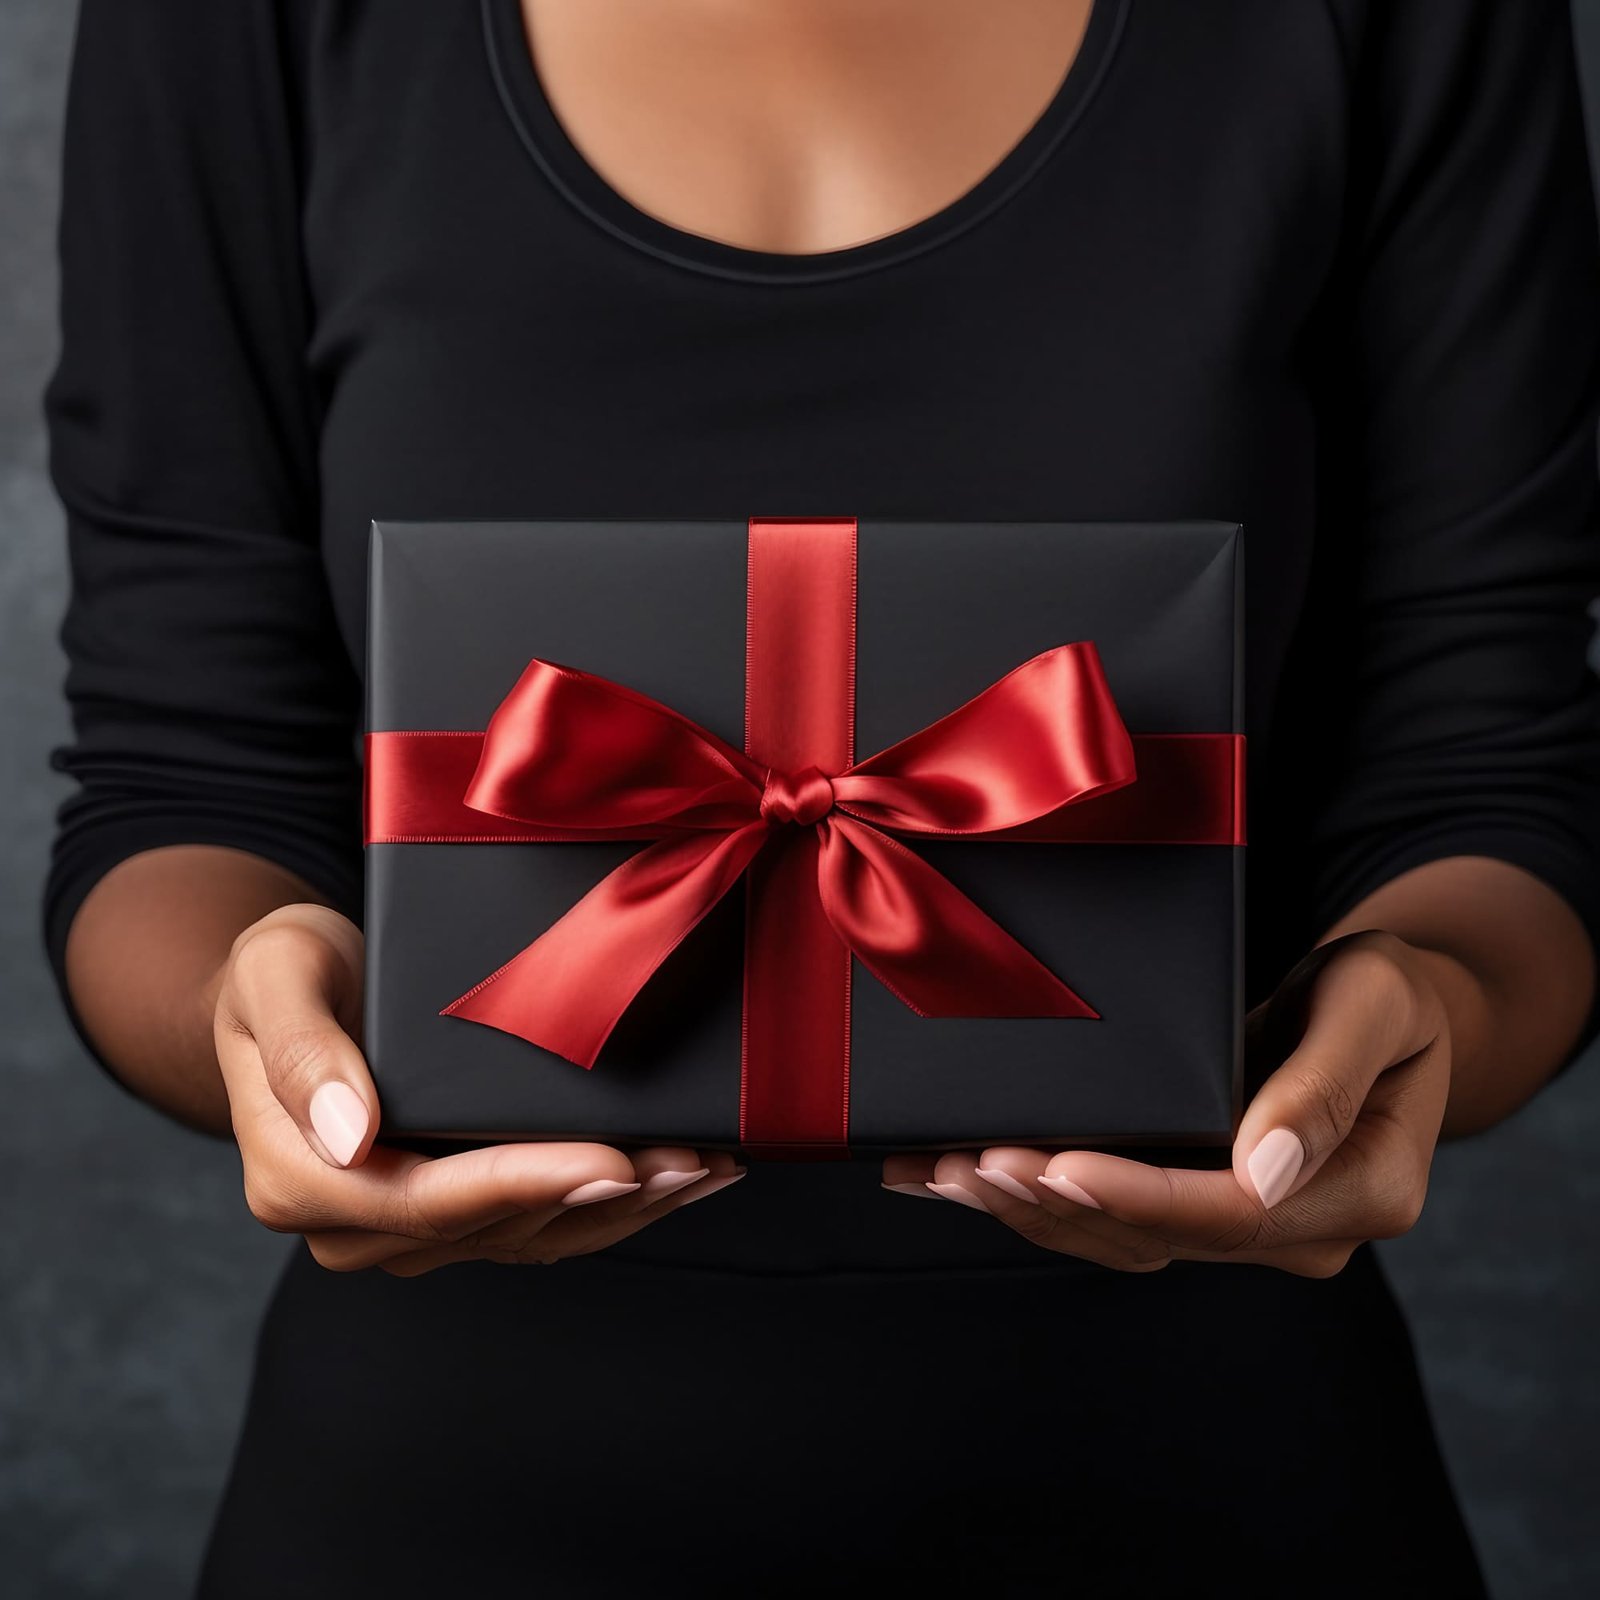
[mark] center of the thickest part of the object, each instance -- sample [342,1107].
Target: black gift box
[1149,932]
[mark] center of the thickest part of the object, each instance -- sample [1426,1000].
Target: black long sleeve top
[1328,268]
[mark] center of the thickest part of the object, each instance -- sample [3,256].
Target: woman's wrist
[1510,966]
[147,957]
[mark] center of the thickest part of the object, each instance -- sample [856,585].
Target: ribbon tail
[923,939]
[566,991]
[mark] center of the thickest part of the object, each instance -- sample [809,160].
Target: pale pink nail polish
[339,1118]
[1275,1163]
[918,1189]
[665,1183]
[601,1189]
[1074,1192]
[1007,1184]
[954,1191]
[719,1183]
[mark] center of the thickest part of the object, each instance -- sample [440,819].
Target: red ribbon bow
[566,749]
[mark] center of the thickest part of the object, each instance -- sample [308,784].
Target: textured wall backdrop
[131,1275]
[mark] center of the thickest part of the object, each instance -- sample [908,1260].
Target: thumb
[1358,1013]
[291,983]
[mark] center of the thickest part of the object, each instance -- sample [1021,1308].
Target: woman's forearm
[144,961]
[147,948]
[1513,965]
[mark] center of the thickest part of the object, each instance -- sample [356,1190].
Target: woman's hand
[1334,1149]
[305,1110]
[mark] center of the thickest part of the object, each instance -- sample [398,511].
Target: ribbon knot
[800,797]
[568,750]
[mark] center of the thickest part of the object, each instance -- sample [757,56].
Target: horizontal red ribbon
[1190,790]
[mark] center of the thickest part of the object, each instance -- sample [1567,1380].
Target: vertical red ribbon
[800,661]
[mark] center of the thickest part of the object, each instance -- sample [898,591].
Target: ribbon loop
[1046,735]
[566,749]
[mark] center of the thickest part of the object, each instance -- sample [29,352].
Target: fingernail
[1275,1163]
[1075,1192]
[339,1118]
[662,1183]
[954,1191]
[720,1183]
[1007,1184]
[919,1189]
[601,1189]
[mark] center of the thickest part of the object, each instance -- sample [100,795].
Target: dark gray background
[131,1275]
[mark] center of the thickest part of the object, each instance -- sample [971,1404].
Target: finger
[1014,1178]
[909,1174]
[1371,1187]
[1411,1096]
[284,987]
[432,1200]
[592,1225]
[626,1217]
[447,1197]
[1048,1221]
[421,1201]
[505,1235]
[1004,1167]
[1199,1210]
[667,1171]
[663,1170]
[545,1241]
[1364,1015]
[356,1249]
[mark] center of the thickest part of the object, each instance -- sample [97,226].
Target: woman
[1324,268]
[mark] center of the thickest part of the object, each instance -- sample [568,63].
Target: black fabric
[1323,269]
[625,1430]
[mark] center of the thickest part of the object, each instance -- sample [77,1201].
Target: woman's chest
[1122,330]
[798,127]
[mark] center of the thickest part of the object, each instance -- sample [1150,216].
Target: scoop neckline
[568,171]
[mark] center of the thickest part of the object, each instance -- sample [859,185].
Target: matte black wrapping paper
[1149,933]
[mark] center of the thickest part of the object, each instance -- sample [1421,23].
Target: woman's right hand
[305,1111]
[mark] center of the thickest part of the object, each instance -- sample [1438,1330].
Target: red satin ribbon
[1190,790]
[571,756]
[566,747]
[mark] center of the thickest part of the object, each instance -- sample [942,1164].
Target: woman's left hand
[1333,1150]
